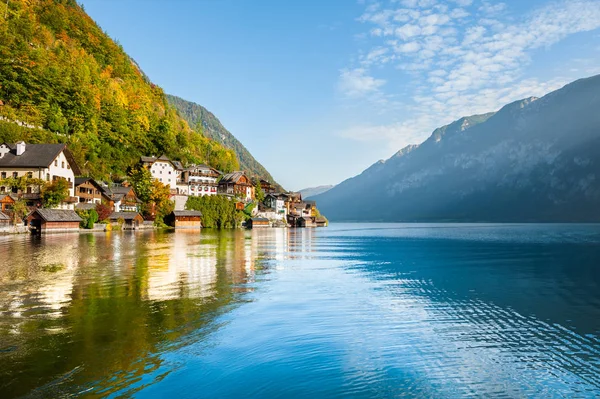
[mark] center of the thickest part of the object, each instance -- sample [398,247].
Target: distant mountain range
[535,160]
[312,191]
[196,114]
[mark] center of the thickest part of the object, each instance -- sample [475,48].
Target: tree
[55,193]
[258,192]
[160,196]
[142,182]
[103,211]
[19,211]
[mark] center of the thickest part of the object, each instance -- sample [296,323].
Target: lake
[353,310]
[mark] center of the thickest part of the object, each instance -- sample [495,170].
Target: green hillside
[199,117]
[62,79]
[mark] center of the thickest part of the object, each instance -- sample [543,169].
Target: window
[2,189]
[82,190]
[56,162]
[15,174]
[68,166]
[30,175]
[28,190]
[47,176]
[3,175]
[62,164]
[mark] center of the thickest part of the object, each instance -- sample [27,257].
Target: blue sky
[319,90]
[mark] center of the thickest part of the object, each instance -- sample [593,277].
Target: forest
[62,79]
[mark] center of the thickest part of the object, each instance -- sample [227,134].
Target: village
[26,170]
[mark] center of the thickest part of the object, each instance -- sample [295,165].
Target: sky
[320,90]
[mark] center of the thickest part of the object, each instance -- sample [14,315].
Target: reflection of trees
[115,314]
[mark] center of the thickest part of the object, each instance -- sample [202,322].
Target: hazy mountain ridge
[533,160]
[312,191]
[211,127]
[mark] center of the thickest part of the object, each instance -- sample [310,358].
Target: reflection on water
[352,310]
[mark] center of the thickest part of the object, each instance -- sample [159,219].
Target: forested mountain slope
[62,79]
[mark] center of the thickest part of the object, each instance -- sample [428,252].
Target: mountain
[535,160]
[198,116]
[312,191]
[62,79]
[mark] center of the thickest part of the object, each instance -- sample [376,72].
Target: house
[237,184]
[258,223]
[276,202]
[184,219]
[7,201]
[46,162]
[130,220]
[198,181]
[163,169]
[305,221]
[291,200]
[267,187]
[122,198]
[47,220]
[4,222]
[321,222]
[90,191]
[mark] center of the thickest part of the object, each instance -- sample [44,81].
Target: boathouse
[7,201]
[184,219]
[127,220]
[55,220]
[305,221]
[258,223]
[4,222]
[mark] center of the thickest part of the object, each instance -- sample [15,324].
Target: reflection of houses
[237,184]
[47,162]
[184,219]
[122,199]
[129,220]
[89,191]
[198,181]
[45,220]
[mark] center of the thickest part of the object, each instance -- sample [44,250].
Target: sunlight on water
[352,310]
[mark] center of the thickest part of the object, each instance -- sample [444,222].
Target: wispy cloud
[466,56]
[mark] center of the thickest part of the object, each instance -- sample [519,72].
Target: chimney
[20,148]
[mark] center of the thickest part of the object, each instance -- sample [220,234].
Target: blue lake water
[353,310]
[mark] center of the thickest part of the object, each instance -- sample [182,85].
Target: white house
[47,162]
[200,180]
[162,169]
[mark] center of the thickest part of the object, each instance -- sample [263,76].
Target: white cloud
[466,57]
[356,83]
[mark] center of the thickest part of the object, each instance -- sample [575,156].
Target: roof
[57,215]
[232,177]
[187,213]
[3,196]
[124,215]
[260,219]
[85,206]
[35,156]
[3,216]
[164,158]
[312,203]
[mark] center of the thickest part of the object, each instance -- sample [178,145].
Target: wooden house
[258,223]
[7,202]
[184,219]
[89,191]
[122,198]
[131,220]
[267,187]
[237,184]
[321,222]
[46,220]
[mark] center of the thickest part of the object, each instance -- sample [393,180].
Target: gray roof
[232,177]
[124,215]
[260,219]
[3,216]
[57,215]
[36,156]
[85,206]
[2,196]
[187,213]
